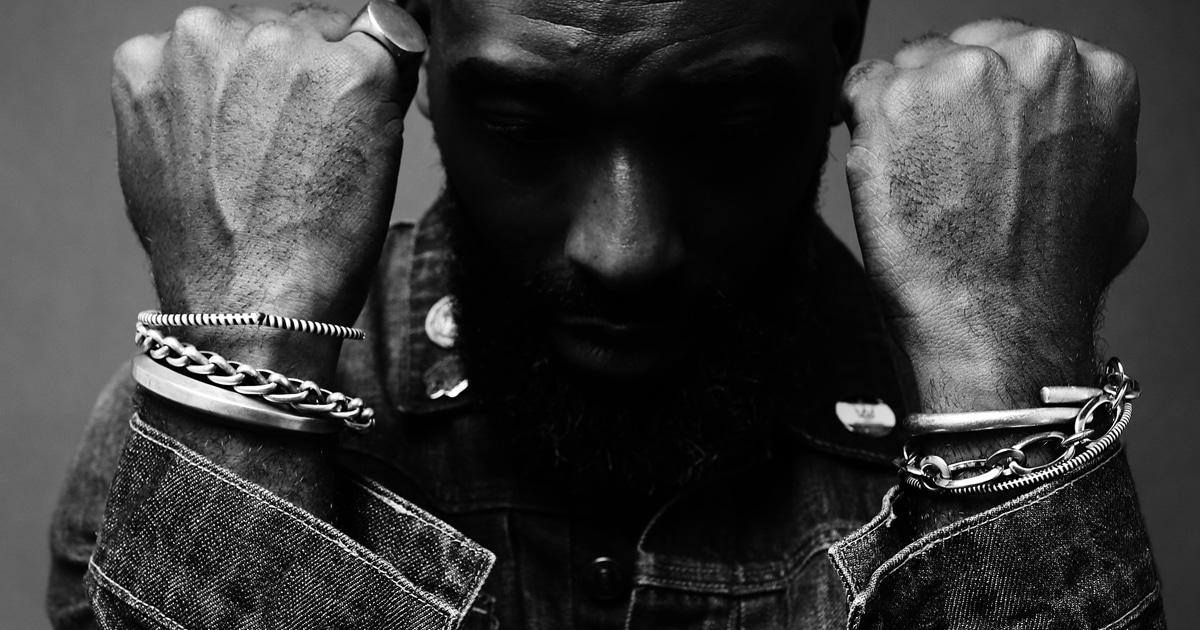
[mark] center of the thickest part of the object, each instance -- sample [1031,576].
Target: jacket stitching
[133,600]
[478,553]
[1136,611]
[257,492]
[818,544]
[377,491]
[880,520]
[915,549]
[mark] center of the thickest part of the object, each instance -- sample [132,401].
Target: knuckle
[272,35]
[863,74]
[311,10]
[136,55]
[1050,47]
[198,23]
[1112,70]
[977,63]
[986,30]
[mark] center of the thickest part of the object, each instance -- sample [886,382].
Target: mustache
[573,292]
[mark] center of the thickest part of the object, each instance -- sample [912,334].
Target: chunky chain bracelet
[304,397]
[1006,470]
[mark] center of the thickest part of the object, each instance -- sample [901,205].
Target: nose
[623,232]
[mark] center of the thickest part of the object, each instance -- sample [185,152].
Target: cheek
[517,214]
[748,202]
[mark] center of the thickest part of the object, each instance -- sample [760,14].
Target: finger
[330,23]
[397,74]
[1110,72]
[1035,55]
[861,94]
[989,32]
[136,64]
[1130,238]
[256,14]
[920,52]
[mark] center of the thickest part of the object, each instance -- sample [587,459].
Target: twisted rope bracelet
[304,397]
[158,319]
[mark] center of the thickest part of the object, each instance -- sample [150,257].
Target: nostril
[629,259]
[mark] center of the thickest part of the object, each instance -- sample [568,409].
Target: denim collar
[861,369]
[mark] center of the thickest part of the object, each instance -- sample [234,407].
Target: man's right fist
[258,154]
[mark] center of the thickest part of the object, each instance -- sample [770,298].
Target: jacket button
[606,580]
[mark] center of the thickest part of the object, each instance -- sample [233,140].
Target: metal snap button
[866,418]
[439,323]
[606,580]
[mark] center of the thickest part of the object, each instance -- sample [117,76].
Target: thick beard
[718,410]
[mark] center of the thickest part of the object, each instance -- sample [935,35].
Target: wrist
[966,378]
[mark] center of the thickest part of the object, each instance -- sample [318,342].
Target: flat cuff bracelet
[156,319]
[182,389]
[1070,395]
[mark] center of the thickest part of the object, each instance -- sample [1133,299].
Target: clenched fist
[258,154]
[991,174]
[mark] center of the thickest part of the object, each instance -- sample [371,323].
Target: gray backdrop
[73,278]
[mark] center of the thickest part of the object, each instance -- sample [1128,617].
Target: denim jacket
[437,530]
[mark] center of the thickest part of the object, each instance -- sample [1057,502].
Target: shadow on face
[644,148]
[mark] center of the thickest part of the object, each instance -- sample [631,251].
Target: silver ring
[391,26]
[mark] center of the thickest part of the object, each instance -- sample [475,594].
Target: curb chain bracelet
[1006,470]
[273,388]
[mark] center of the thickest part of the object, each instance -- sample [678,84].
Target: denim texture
[797,541]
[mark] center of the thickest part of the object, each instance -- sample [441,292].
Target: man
[607,366]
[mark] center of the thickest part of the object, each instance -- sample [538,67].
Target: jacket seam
[1136,611]
[128,597]
[477,552]
[374,489]
[875,523]
[920,547]
[398,580]
[917,549]
[692,578]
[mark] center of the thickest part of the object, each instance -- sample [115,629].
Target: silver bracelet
[967,421]
[302,397]
[1006,470]
[178,388]
[156,318]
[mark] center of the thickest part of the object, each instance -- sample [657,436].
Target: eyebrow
[769,71]
[482,74]
[760,73]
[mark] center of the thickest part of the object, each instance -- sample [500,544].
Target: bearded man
[621,375]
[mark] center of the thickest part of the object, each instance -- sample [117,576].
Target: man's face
[630,172]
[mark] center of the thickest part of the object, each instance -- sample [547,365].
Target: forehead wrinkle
[623,38]
[586,21]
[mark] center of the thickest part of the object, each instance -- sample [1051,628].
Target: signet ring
[390,25]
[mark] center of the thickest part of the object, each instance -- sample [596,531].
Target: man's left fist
[991,174]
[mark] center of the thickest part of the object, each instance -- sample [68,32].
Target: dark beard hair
[718,409]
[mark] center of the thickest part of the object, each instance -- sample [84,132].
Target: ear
[849,26]
[420,10]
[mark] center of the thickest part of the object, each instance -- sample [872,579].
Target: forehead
[629,39]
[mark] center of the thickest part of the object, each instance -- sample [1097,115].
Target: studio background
[73,276]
